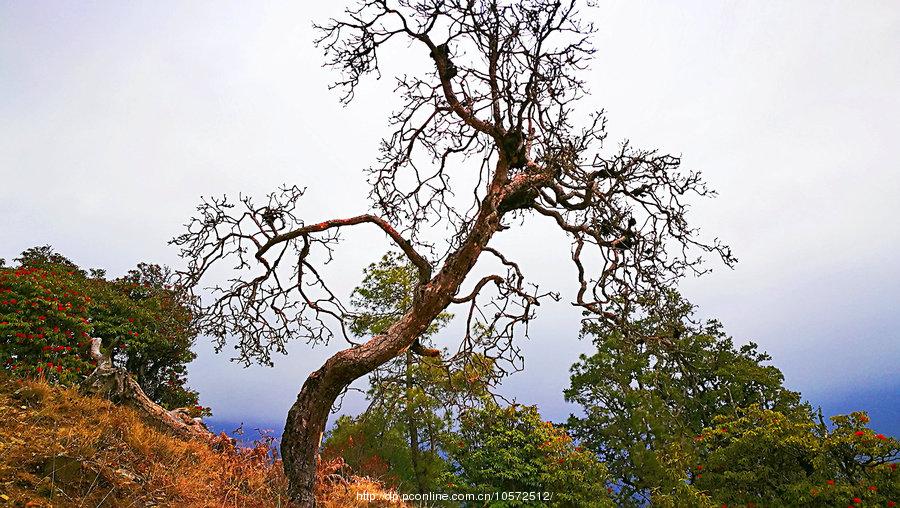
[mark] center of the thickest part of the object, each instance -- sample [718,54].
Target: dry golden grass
[59,448]
[334,489]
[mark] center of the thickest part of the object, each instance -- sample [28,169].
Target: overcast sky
[115,117]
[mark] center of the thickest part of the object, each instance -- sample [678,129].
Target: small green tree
[50,309]
[656,383]
[159,355]
[376,446]
[511,449]
[413,398]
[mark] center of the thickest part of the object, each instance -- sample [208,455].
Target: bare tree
[498,112]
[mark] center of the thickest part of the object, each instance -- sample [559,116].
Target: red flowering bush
[44,324]
[198,411]
[50,309]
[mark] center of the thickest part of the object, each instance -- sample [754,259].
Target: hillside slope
[60,448]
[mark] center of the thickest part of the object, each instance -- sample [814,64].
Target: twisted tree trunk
[308,416]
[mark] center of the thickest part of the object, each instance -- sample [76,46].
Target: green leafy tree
[764,457]
[159,354]
[50,309]
[512,449]
[654,384]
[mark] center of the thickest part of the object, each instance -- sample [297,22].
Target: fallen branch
[117,385]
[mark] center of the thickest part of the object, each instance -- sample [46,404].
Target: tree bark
[303,435]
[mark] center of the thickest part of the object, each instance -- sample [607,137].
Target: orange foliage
[60,448]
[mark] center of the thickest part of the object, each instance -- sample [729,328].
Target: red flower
[857,500]
[830,482]
[859,433]
[880,436]
[59,368]
[872,488]
[891,504]
[699,468]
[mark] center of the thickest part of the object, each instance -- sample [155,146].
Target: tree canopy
[681,416]
[512,449]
